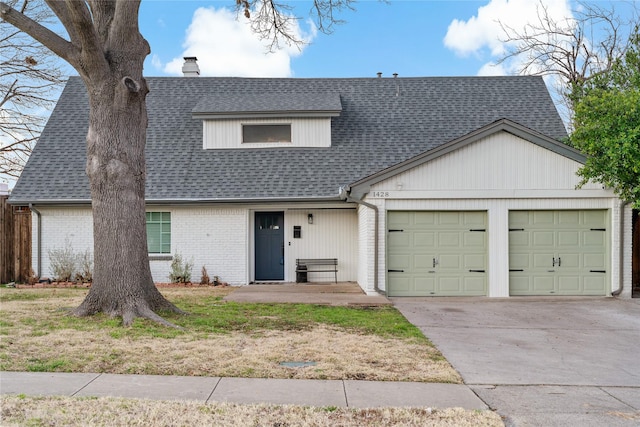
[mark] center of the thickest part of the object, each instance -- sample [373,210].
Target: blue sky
[409,37]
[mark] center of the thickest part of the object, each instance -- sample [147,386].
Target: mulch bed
[42,285]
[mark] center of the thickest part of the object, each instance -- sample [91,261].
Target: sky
[408,37]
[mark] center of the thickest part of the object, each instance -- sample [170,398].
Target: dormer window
[273,120]
[252,133]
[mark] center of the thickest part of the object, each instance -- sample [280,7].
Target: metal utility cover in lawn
[437,253]
[558,252]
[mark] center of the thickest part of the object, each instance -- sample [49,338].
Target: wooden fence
[15,243]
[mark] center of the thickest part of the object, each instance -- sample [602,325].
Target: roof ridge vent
[190,67]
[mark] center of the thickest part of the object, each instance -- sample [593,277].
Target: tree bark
[108,51]
[122,282]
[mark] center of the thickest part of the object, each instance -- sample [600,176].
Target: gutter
[33,209]
[621,257]
[344,193]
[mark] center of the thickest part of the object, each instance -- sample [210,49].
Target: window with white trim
[256,133]
[159,232]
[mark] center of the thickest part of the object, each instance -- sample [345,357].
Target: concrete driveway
[541,361]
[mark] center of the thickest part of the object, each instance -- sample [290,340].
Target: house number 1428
[380,194]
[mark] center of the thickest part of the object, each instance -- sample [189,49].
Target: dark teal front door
[269,246]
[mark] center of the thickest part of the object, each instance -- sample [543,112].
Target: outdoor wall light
[310,218]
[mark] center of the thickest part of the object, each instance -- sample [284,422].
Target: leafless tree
[107,50]
[30,79]
[275,22]
[573,49]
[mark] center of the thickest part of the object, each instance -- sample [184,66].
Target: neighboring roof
[383,122]
[265,105]
[362,186]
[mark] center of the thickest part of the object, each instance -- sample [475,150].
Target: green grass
[211,315]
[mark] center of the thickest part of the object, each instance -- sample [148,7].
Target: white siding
[333,234]
[496,175]
[499,162]
[305,132]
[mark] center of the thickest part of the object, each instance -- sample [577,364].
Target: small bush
[63,263]
[204,277]
[67,265]
[180,271]
[85,266]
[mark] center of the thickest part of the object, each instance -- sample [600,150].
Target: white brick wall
[59,226]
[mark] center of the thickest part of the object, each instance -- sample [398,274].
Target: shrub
[63,263]
[85,266]
[67,265]
[204,277]
[180,271]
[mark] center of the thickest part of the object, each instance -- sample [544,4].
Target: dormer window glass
[266,133]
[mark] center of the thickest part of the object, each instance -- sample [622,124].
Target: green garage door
[558,252]
[436,253]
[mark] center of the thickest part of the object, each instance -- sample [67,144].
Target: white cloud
[226,46]
[480,35]
[156,62]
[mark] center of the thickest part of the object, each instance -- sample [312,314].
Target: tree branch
[48,38]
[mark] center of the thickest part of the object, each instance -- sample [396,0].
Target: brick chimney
[190,67]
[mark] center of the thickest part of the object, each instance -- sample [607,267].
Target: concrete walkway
[342,293]
[340,393]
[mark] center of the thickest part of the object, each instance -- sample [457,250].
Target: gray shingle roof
[259,104]
[383,121]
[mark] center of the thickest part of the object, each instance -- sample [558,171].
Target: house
[438,186]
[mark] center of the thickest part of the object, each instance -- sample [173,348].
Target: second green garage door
[558,252]
[436,253]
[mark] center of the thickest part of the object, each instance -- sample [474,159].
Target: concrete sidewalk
[340,393]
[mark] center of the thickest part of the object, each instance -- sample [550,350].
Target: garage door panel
[474,285]
[424,286]
[399,261]
[449,218]
[449,239]
[543,260]
[399,219]
[568,285]
[594,219]
[519,261]
[450,285]
[474,218]
[561,253]
[519,239]
[422,218]
[568,218]
[400,240]
[595,239]
[422,261]
[543,239]
[568,261]
[520,284]
[401,285]
[543,218]
[474,239]
[595,261]
[543,284]
[474,261]
[569,238]
[423,239]
[595,284]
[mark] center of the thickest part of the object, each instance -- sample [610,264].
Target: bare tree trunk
[122,282]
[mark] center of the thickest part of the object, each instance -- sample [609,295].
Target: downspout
[344,194]
[621,257]
[39,240]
